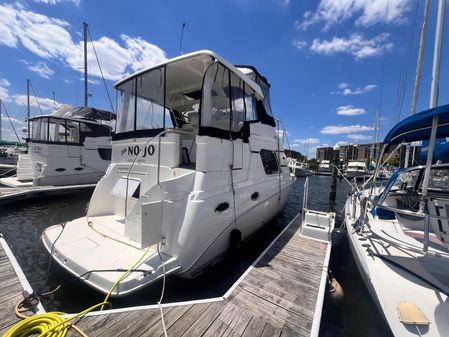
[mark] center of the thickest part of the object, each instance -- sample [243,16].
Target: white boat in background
[399,235]
[356,169]
[299,169]
[302,170]
[197,167]
[70,146]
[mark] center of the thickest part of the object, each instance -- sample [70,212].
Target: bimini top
[85,113]
[206,54]
[418,127]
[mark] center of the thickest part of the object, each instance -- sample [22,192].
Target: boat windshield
[171,96]
[64,131]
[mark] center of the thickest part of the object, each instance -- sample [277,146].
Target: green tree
[313,164]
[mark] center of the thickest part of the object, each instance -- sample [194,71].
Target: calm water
[23,224]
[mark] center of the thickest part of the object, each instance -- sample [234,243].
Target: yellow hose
[124,276]
[53,324]
[50,324]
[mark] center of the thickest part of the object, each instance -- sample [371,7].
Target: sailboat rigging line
[10,121]
[382,72]
[405,68]
[35,97]
[101,70]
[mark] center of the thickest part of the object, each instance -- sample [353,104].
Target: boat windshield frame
[74,131]
[156,96]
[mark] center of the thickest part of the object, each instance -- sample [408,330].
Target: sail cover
[418,127]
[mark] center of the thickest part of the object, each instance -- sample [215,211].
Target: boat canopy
[200,91]
[418,127]
[87,113]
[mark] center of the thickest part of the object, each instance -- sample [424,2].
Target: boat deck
[11,194]
[280,294]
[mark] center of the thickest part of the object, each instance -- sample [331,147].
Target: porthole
[60,169]
[222,207]
[79,168]
[255,196]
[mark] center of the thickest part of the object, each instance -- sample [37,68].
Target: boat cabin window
[199,95]
[141,104]
[224,105]
[439,179]
[73,132]
[269,161]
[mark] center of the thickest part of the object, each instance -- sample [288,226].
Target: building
[347,153]
[359,152]
[324,153]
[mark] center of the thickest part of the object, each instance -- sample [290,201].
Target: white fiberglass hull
[106,253]
[389,283]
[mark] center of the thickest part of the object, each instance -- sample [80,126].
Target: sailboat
[197,168]
[398,234]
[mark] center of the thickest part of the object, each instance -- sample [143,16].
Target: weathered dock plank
[277,296]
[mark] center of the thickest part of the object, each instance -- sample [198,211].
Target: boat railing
[419,214]
[305,198]
[142,149]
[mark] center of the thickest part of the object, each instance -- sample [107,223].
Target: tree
[313,164]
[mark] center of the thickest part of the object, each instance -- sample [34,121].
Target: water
[22,225]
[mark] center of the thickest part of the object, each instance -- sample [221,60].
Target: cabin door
[237,162]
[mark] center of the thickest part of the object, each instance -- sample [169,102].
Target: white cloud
[11,120]
[346,90]
[356,45]
[42,69]
[44,103]
[340,143]
[50,39]
[357,136]
[349,110]
[307,140]
[339,129]
[299,44]
[54,2]
[4,92]
[366,13]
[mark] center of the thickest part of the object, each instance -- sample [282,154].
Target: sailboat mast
[437,55]
[28,109]
[1,120]
[86,95]
[434,95]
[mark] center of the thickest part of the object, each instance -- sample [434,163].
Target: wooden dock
[11,194]
[281,294]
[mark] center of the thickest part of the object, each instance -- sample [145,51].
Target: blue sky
[331,63]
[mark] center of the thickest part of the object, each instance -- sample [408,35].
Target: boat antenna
[86,94]
[54,99]
[182,36]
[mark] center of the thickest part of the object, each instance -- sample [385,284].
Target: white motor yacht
[302,169]
[399,235]
[356,169]
[197,167]
[69,146]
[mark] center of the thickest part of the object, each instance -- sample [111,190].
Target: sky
[332,64]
